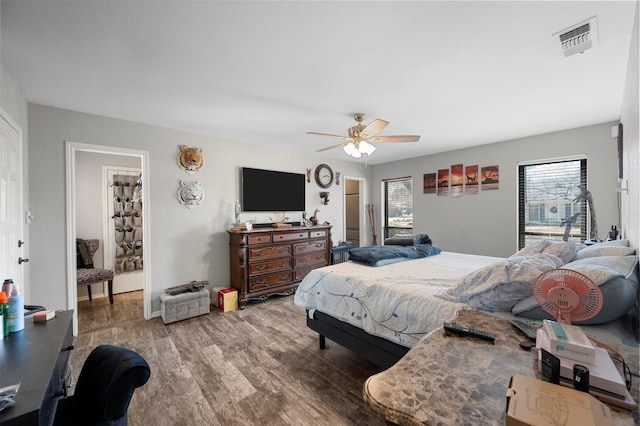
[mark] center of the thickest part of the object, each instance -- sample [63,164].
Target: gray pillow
[399,240]
[617,277]
[599,250]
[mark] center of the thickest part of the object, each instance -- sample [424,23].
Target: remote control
[525,329]
[468,331]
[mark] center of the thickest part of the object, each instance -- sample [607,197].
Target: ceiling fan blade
[329,135]
[373,128]
[333,146]
[396,138]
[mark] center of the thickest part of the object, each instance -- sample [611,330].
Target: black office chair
[105,386]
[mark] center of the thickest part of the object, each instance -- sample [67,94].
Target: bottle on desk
[16,306]
[4,315]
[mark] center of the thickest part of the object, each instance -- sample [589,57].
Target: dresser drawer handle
[261,267]
[262,281]
[283,264]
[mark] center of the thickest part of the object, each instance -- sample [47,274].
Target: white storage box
[184,305]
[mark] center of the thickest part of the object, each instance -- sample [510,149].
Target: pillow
[598,250]
[499,286]
[421,239]
[382,255]
[617,277]
[83,257]
[618,243]
[399,240]
[565,250]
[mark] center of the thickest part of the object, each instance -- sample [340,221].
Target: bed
[381,312]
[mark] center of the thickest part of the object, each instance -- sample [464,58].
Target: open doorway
[88,194]
[354,210]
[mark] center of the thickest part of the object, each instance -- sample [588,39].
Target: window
[398,207]
[545,201]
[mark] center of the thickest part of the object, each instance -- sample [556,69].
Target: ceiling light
[366,148]
[349,148]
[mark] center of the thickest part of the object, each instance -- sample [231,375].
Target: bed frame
[381,352]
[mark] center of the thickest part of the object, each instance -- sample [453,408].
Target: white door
[10,202]
[123,282]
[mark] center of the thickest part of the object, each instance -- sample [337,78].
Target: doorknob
[20,243]
[21,260]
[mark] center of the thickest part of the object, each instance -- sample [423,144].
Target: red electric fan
[567,295]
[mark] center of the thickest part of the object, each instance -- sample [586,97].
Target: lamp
[356,149]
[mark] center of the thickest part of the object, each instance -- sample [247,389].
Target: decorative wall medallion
[190,194]
[190,159]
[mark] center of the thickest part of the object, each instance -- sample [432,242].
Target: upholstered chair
[104,389]
[86,274]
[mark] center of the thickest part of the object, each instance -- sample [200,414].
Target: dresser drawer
[271,266]
[319,258]
[259,239]
[309,247]
[266,281]
[290,236]
[258,253]
[317,234]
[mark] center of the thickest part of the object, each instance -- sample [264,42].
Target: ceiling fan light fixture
[367,148]
[349,148]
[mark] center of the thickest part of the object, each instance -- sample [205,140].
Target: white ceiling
[457,73]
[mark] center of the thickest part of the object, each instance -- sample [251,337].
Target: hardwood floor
[260,365]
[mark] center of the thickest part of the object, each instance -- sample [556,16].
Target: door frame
[361,208]
[71,148]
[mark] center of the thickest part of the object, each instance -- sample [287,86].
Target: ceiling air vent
[578,38]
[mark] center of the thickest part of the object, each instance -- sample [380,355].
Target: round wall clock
[324,176]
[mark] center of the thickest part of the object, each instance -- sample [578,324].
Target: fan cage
[587,291]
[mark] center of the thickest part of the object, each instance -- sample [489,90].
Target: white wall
[485,223]
[14,104]
[629,118]
[187,244]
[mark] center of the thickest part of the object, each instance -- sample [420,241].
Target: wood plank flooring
[257,366]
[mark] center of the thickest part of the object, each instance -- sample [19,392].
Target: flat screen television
[272,191]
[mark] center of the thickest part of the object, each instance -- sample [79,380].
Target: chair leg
[111,291]
[89,291]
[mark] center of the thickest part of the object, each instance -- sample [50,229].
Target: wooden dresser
[273,261]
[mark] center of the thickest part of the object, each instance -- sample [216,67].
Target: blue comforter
[384,255]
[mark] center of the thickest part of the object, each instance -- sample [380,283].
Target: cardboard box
[227,299]
[569,341]
[532,402]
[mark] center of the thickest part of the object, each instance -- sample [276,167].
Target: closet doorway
[90,214]
[123,249]
[353,210]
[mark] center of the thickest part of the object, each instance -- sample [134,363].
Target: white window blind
[398,206]
[545,201]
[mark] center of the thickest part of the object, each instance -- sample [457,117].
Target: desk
[36,357]
[454,380]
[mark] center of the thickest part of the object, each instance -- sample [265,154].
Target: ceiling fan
[362,136]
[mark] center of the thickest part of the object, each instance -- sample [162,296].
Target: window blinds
[545,201]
